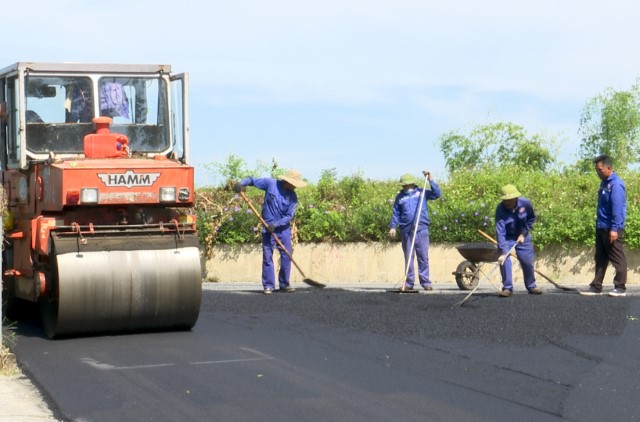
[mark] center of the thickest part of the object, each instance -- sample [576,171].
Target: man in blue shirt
[514,221]
[279,208]
[405,215]
[610,217]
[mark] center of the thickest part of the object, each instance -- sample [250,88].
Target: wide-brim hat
[509,192]
[293,177]
[408,179]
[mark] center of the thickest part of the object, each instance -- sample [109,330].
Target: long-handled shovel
[513,248]
[558,285]
[413,238]
[305,279]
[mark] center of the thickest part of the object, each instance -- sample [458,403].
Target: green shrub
[347,210]
[355,209]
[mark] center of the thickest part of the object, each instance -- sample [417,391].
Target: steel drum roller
[125,290]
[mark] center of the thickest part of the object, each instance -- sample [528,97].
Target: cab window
[139,109]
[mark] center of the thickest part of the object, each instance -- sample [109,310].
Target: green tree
[610,124]
[235,168]
[496,144]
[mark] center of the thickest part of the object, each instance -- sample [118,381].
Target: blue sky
[362,86]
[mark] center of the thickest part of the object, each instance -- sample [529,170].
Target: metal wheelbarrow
[475,254]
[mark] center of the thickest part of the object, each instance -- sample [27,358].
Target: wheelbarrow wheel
[467,275]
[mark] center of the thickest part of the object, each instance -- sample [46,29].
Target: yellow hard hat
[509,192]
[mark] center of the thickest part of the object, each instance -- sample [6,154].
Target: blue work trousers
[419,252]
[524,252]
[268,271]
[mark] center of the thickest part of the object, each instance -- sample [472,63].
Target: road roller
[99,234]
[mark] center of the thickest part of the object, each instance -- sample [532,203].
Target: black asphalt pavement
[357,355]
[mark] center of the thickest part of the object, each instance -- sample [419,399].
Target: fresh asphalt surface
[355,355]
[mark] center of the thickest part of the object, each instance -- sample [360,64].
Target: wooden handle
[486,236]
[264,223]
[266,226]
[492,240]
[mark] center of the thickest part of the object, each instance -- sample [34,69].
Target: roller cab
[98,227]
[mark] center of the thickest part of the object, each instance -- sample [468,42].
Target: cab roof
[87,67]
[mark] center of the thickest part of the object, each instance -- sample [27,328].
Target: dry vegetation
[7,359]
[8,364]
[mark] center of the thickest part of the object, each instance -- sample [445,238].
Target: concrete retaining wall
[383,263]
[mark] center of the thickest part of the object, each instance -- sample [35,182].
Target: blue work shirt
[406,204]
[279,203]
[512,223]
[612,204]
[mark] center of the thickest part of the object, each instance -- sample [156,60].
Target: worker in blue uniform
[514,220]
[279,208]
[611,214]
[404,216]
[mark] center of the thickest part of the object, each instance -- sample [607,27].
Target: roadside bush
[355,209]
[347,210]
[223,217]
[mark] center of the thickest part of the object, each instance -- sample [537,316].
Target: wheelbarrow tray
[479,252]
